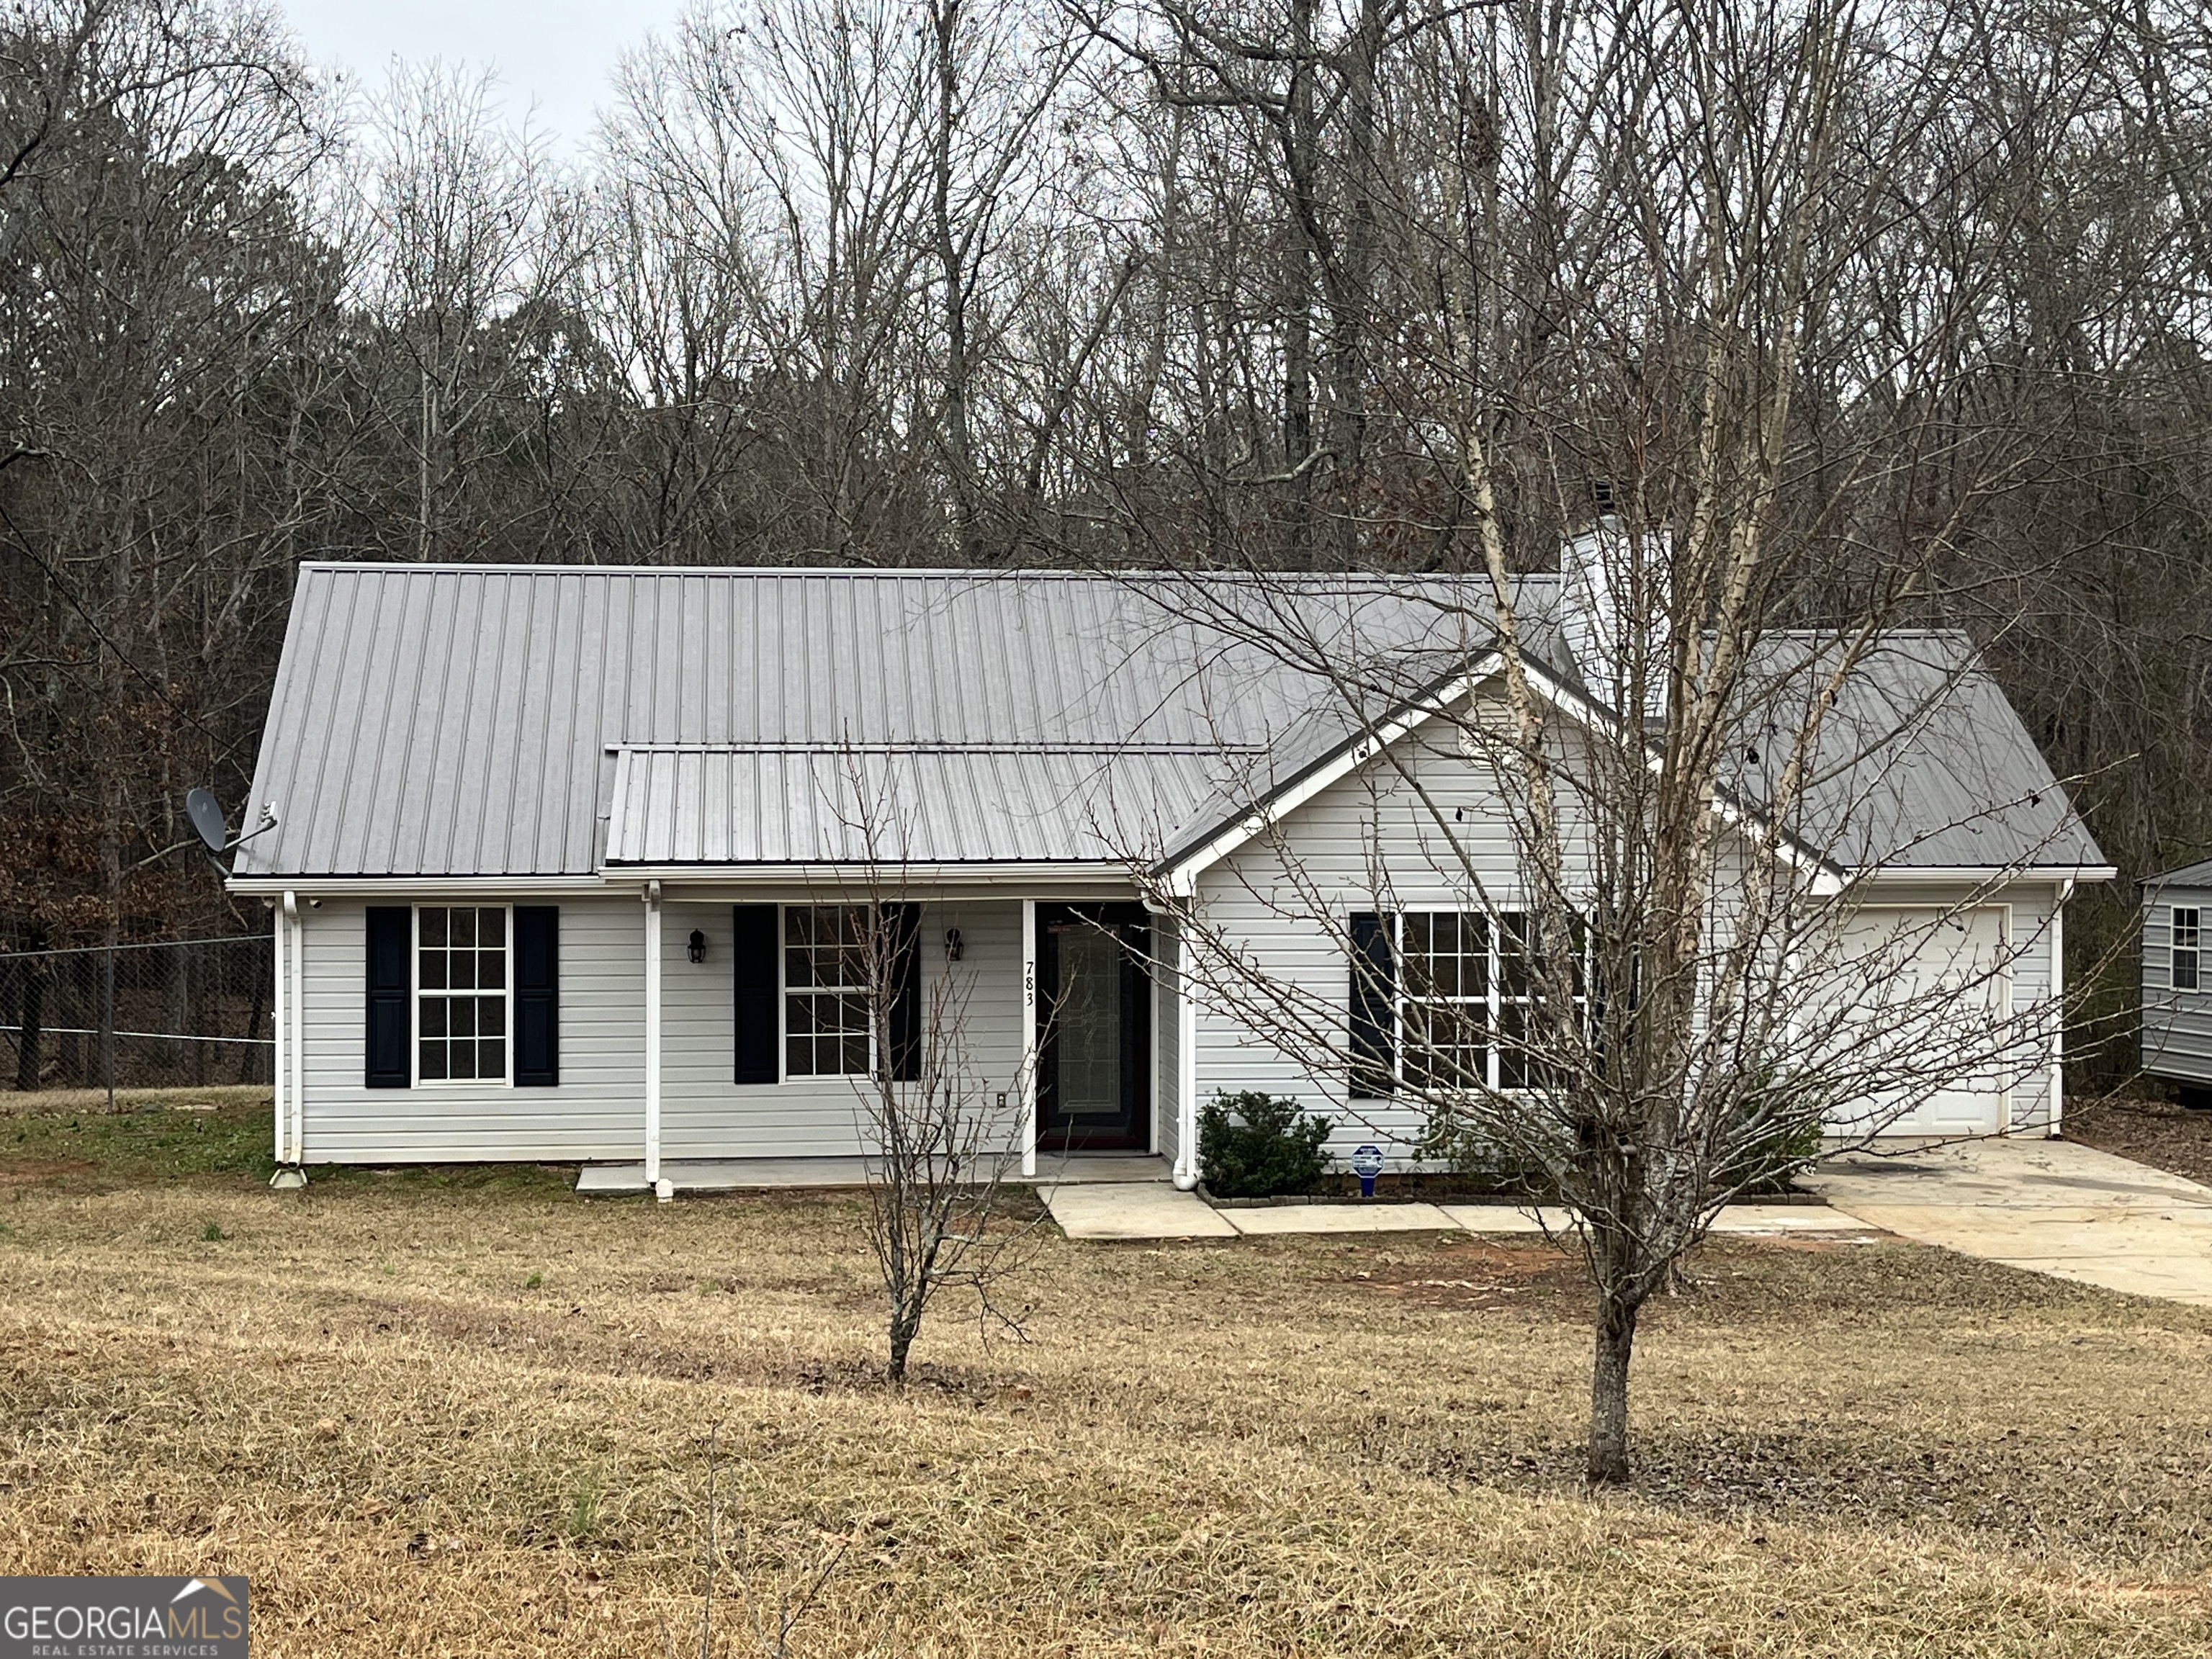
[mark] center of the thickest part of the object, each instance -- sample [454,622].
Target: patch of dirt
[2153,1131]
[36,1172]
[2091,1491]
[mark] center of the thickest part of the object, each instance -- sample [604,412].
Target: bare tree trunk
[905,1325]
[944,26]
[1298,288]
[1607,1463]
[1354,295]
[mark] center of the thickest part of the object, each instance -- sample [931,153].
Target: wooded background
[935,281]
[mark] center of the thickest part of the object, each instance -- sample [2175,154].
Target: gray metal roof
[845,805]
[1922,763]
[468,720]
[2188,875]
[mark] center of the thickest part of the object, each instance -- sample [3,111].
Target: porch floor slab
[729,1175]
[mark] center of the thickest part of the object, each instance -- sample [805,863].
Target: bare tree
[938,1153]
[1643,806]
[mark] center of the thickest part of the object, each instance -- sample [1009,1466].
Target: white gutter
[1101,879]
[1029,1103]
[1938,875]
[311,886]
[652,1036]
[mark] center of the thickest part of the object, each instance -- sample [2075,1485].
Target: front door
[1095,1035]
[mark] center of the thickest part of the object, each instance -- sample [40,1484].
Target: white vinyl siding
[1341,840]
[1344,839]
[703,1114]
[2177,1019]
[596,1112]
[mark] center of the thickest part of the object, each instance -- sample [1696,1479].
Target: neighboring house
[560,852]
[2177,981]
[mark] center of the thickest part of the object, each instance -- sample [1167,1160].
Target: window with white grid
[461,992]
[826,1028]
[1445,1010]
[2181,962]
[1466,985]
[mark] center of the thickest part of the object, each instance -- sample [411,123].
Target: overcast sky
[557,54]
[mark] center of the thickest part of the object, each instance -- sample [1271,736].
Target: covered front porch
[1052,1000]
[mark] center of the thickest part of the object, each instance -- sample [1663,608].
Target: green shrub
[1255,1145]
[1781,1138]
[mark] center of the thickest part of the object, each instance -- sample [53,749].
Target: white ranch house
[560,855]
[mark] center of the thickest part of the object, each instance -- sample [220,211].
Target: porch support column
[1028,1091]
[299,955]
[653,1035]
[2057,1112]
[1186,1164]
[281,1051]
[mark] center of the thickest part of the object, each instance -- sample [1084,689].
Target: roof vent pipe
[1613,608]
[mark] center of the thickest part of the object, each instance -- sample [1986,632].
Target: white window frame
[1494,998]
[2176,950]
[785,992]
[415,1077]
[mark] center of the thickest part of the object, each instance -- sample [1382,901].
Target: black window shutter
[1374,989]
[903,923]
[754,985]
[536,996]
[390,937]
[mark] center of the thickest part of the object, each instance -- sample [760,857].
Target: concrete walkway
[2052,1207]
[1160,1212]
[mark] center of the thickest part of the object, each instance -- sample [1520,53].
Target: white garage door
[1929,992]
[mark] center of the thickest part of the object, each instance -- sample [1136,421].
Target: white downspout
[280,1054]
[2057,1113]
[1186,1165]
[653,1037]
[1028,1103]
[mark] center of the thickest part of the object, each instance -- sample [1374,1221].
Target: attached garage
[1929,992]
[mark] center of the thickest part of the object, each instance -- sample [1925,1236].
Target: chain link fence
[174,1013]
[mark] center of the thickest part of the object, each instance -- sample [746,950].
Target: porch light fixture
[696,949]
[952,944]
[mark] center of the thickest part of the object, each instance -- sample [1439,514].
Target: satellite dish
[206,814]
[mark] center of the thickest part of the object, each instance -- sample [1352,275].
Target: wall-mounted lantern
[952,944]
[697,949]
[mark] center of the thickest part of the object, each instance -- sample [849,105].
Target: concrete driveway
[2052,1207]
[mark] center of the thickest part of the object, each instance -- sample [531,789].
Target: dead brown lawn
[2158,1133]
[358,1396]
